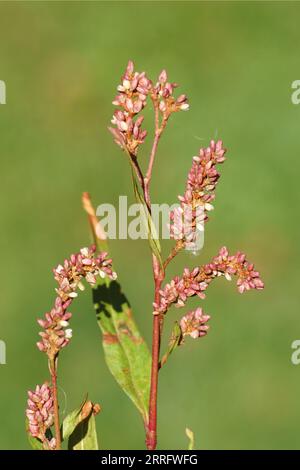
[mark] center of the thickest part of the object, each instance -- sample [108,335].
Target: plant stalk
[53,372]
[151,438]
[158,275]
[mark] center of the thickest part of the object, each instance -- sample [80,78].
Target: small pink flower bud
[163,76]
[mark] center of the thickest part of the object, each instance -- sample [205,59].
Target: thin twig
[175,250]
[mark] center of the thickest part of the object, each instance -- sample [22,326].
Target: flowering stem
[156,336]
[158,275]
[53,372]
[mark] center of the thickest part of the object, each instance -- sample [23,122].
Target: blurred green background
[237,388]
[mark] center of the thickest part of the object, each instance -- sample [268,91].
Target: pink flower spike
[199,193]
[85,264]
[40,412]
[133,92]
[194,324]
[195,282]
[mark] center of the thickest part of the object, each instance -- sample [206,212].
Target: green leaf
[126,352]
[80,427]
[148,222]
[72,420]
[175,340]
[84,437]
[191,438]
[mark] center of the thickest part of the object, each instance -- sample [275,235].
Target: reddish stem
[53,372]
[151,437]
[158,275]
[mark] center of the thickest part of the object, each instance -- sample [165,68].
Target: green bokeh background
[61,62]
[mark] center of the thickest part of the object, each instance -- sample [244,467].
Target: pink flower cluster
[132,97]
[194,324]
[85,264]
[199,194]
[55,335]
[163,91]
[40,414]
[81,265]
[133,90]
[195,282]
[237,265]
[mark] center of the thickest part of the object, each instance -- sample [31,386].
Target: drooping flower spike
[195,282]
[85,264]
[81,265]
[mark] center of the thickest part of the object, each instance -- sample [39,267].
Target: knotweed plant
[127,356]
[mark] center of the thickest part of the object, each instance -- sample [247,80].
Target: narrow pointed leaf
[148,222]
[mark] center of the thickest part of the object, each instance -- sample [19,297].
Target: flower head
[40,413]
[247,277]
[163,91]
[195,282]
[133,91]
[132,96]
[54,337]
[194,324]
[85,264]
[196,202]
